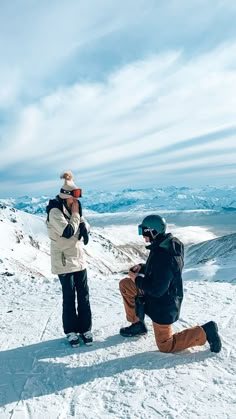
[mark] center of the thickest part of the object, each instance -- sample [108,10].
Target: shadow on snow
[34,371]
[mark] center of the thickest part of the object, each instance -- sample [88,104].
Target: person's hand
[75,206]
[132,275]
[135,268]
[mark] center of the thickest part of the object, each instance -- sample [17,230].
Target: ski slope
[42,377]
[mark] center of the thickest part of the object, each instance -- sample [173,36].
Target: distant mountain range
[141,200]
[24,247]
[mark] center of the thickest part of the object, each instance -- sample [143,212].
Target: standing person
[156,289]
[67,230]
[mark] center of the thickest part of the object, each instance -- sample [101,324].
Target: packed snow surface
[42,377]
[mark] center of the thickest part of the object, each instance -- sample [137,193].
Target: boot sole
[133,336]
[217,347]
[87,343]
[75,345]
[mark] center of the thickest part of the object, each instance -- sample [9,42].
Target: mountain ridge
[26,245]
[135,200]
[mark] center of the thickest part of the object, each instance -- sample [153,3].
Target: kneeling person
[159,283]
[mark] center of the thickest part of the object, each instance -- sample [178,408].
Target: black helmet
[152,225]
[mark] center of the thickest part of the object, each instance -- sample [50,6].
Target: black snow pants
[75,319]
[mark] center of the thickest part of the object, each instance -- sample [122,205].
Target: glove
[83,232]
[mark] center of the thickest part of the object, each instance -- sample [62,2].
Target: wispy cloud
[154,120]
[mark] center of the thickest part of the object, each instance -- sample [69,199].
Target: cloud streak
[146,121]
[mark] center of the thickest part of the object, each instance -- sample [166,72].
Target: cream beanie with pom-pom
[68,184]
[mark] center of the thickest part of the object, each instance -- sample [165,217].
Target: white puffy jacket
[67,255]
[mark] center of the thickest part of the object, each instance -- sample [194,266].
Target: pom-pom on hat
[68,184]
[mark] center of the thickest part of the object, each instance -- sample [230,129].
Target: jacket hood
[171,244]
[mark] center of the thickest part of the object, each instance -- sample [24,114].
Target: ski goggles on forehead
[76,193]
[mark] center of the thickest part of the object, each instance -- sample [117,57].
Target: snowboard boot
[212,336]
[87,338]
[73,339]
[136,329]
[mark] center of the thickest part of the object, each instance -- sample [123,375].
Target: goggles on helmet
[143,231]
[140,230]
[146,231]
[76,193]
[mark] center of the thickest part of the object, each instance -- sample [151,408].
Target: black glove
[83,232]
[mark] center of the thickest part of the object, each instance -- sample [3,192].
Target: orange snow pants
[166,341]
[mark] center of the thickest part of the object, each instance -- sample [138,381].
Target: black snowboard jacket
[160,279]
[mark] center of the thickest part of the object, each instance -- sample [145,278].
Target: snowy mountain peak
[135,200]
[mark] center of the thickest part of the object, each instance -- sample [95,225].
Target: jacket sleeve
[156,282]
[143,267]
[63,227]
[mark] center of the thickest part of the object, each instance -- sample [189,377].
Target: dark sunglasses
[76,193]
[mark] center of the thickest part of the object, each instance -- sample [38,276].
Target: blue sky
[124,94]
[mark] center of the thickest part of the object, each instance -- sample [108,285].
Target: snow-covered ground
[42,377]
